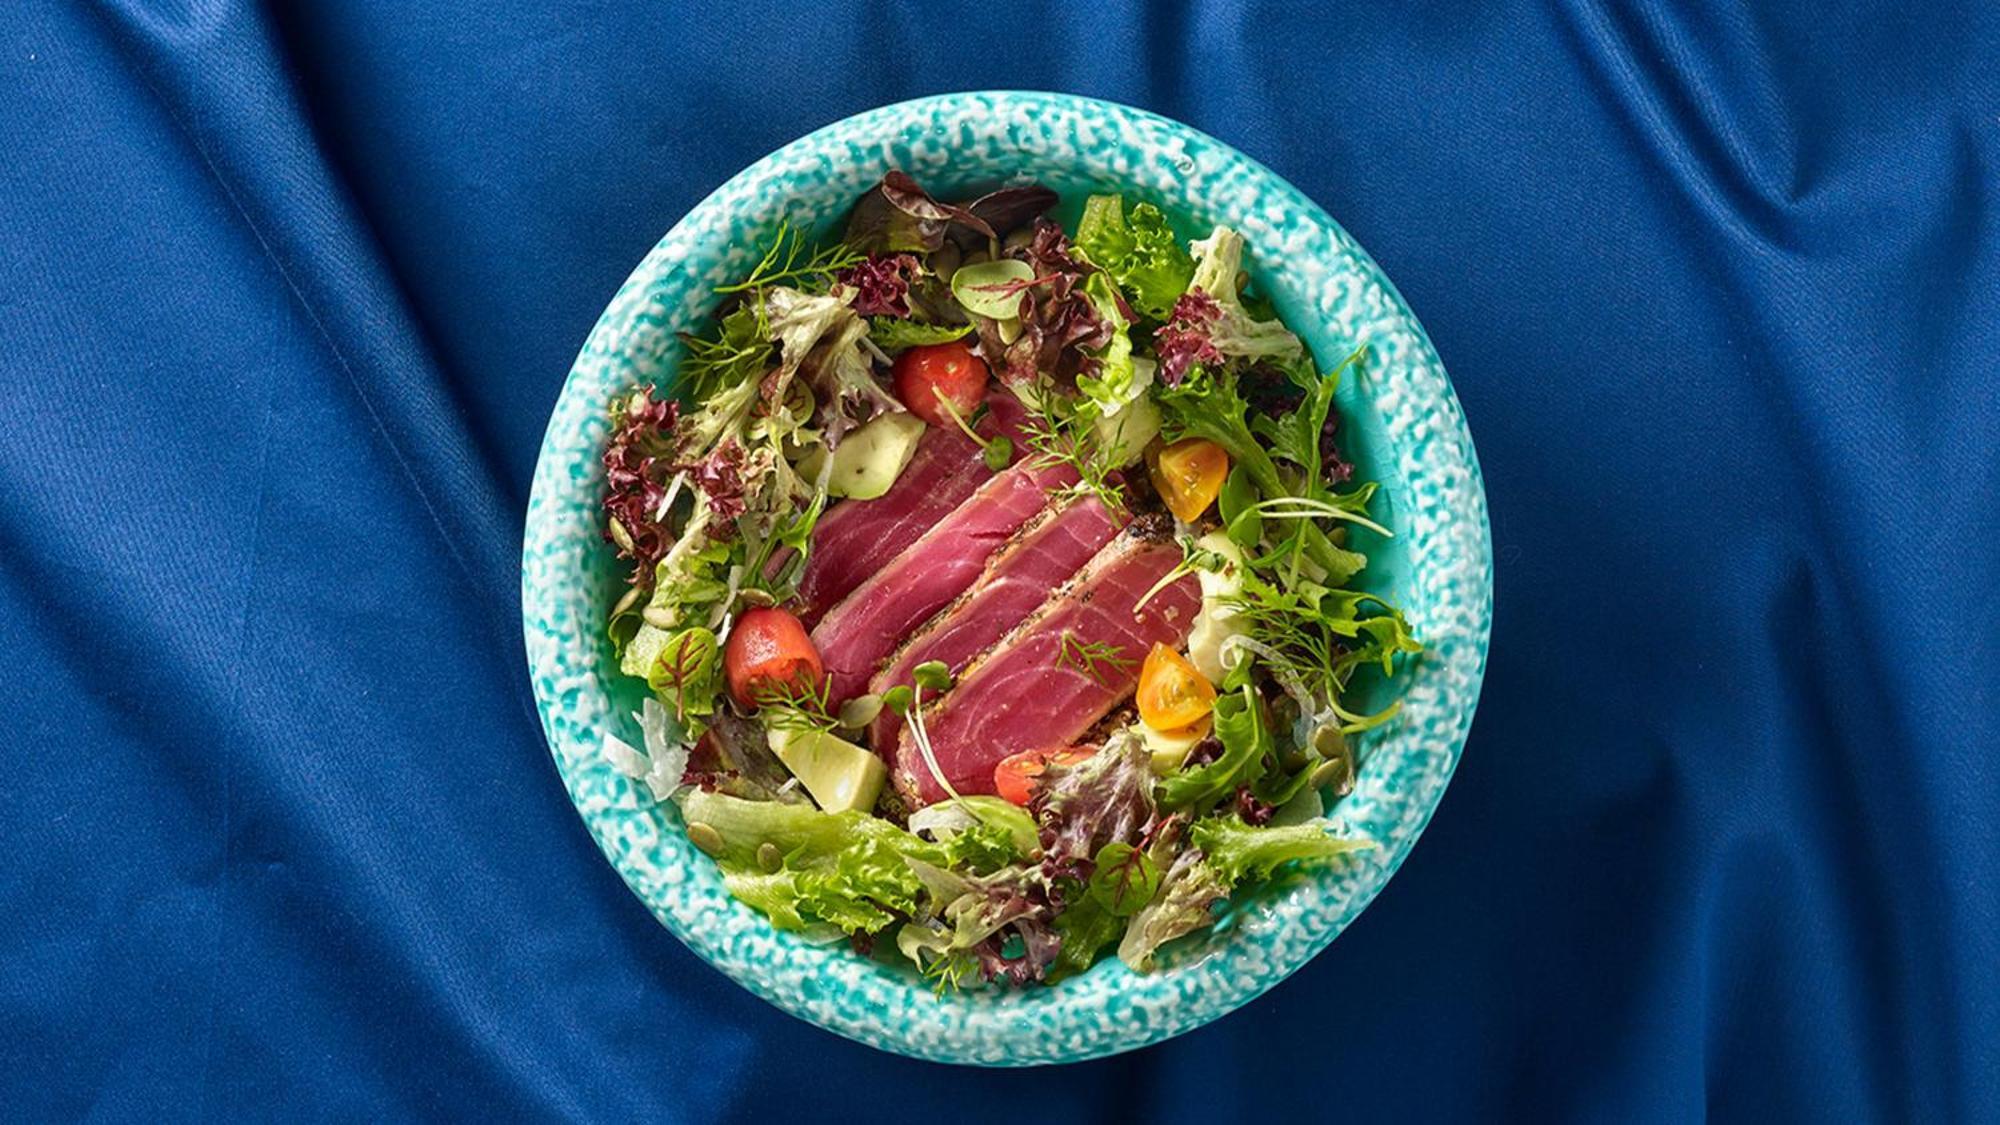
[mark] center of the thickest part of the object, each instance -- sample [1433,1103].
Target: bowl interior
[1401,425]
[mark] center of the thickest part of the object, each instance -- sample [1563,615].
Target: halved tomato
[769,650]
[1173,694]
[1016,775]
[1188,475]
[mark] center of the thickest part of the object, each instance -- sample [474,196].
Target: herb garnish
[1092,658]
[792,259]
[1061,430]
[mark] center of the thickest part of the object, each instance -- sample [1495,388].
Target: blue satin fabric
[286,292]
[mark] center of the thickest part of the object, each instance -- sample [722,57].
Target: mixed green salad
[1100,774]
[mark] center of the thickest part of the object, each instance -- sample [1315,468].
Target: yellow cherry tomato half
[1173,694]
[1188,474]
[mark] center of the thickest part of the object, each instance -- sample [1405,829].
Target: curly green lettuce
[1222,854]
[1138,249]
[847,870]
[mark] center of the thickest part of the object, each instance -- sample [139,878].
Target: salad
[991,585]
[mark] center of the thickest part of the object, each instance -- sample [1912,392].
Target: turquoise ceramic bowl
[1404,427]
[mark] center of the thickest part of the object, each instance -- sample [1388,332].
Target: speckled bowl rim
[1428,456]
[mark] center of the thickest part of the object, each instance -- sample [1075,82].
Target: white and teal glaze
[1403,425]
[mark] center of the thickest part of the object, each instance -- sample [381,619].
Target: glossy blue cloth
[286,294]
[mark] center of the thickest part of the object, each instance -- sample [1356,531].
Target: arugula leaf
[1138,250]
[1207,405]
[1237,504]
[893,334]
[1239,725]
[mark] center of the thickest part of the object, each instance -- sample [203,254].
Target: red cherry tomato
[768,649]
[935,374]
[1015,777]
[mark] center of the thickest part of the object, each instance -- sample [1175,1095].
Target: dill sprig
[736,353]
[1060,430]
[1092,657]
[951,971]
[800,705]
[792,258]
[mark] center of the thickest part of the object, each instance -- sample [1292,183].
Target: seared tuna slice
[855,538]
[1040,687]
[855,636]
[1017,580]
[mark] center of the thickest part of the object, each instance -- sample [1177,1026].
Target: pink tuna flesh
[1026,695]
[856,538]
[880,614]
[1017,580]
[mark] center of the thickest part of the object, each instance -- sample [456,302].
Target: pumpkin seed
[705,837]
[769,857]
[620,536]
[630,599]
[1329,742]
[1327,774]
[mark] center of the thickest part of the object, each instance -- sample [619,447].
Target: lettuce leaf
[892,335]
[1188,895]
[1222,853]
[848,870]
[819,339]
[1120,378]
[1106,798]
[1138,249]
[1239,853]
[945,819]
[998,925]
[898,216]
[1235,333]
